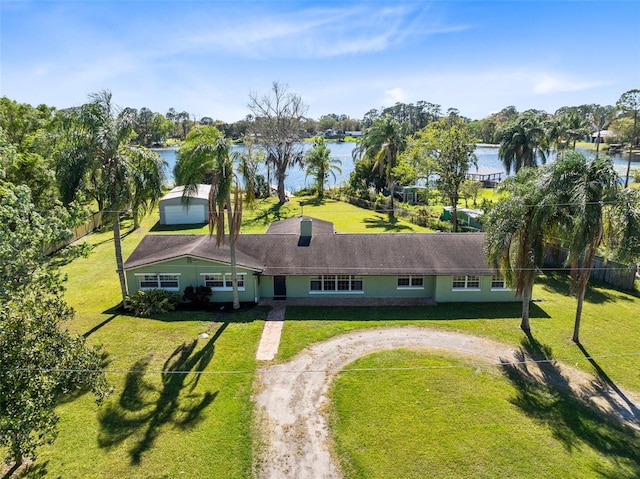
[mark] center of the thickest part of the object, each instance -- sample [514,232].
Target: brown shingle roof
[292,226]
[280,254]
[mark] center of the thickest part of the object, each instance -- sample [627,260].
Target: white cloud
[316,32]
[395,95]
[549,83]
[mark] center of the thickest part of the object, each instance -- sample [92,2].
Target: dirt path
[291,398]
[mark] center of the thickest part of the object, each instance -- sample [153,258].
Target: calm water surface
[488,162]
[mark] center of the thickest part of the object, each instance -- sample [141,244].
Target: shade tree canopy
[278,118]
[448,147]
[39,360]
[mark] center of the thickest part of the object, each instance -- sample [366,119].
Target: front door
[279,287]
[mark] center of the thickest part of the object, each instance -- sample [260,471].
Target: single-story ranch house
[174,212]
[304,258]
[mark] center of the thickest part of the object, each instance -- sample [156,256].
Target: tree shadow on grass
[143,406]
[597,292]
[100,325]
[31,470]
[624,407]
[158,228]
[389,223]
[265,217]
[110,238]
[578,413]
[449,311]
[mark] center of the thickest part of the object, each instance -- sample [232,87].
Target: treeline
[152,129]
[566,125]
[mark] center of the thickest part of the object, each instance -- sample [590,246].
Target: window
[170,282]
[332,283]
[497,281]
[328,283]
[466,282]
[409,281]
[214,280]
[315,283]
[222,281]
[148,281]
[344,283]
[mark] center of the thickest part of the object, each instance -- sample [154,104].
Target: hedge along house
[174,212]
[304,258]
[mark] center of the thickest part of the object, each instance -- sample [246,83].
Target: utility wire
[318,371]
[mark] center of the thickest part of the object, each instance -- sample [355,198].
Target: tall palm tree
[629,104]
[600,118]
[320,165]
[514,242]
[99,159]
[147,177]
[523,141]
[382,142]
[583,191]
[205,155]
[249,161]
[576,127]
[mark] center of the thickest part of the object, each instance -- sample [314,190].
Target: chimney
[305,232]
[305,227]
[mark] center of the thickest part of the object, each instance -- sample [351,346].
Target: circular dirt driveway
[291,398]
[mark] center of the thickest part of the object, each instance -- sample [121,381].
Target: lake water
[488,162]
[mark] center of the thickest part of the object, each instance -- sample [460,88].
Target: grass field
[447,417]
[160,424]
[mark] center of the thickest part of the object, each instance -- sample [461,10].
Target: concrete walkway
[270,340]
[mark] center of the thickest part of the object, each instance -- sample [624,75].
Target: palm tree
[600,118]
[576,126]
[382,142]
[320,165]
[147,180]
[205,155]
[249,161]
[523,141]
[514,242]
[629,103]
[583,191]
[98,158]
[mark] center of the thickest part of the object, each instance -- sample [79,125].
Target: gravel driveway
[291,398]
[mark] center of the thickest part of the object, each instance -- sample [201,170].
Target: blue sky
[341,57]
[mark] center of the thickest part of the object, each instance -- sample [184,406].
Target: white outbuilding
[174,212]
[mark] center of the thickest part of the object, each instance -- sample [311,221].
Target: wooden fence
[91,224]
[611,272]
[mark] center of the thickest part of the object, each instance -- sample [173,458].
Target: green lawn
[609,331]
[155,423]
[447,417]
[158,424]
[454,417]
[347,218]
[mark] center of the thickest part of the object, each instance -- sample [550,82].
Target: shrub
[381,203]
[199,295]
[153,301]
[306,191]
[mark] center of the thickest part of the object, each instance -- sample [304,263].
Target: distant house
[466,216]
[408,194]
[304,258]
[603,136]
[174,212]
